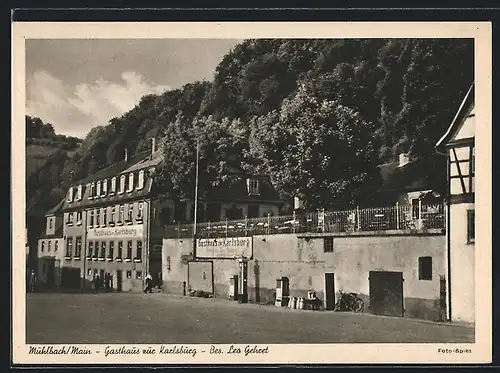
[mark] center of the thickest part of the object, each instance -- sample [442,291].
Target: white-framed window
[113,186]
[78,248]
[96,250]
[138,275]
[120,250]
[113,214]
[130,186]
[104,216]
[140,209]
[98,217]
[123,178]
[70,194]
[69,247]
[102,255]
[49,244]
[79,215]
[130,212]
[121,215]
[70,218]
[56,245]
[43,246]
[140,182]
[91,218]
[51,223]
[129,274]
[98,189]
[92,190]
[138,251]
[79,192]
[253,186]
[90,249]
[111,250]
[104,187]
[129,250]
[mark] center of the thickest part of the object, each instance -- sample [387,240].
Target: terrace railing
[407,218]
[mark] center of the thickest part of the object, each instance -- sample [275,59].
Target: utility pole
[196,196]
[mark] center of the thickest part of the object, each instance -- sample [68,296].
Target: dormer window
[70,195]
[122,184]
[92,191]
[79,192]
[140,182]
[113,186]
[253,187]
[104,187]
[98,190]
[130,182]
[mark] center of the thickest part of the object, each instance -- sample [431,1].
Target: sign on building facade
[130,231]
[224,248]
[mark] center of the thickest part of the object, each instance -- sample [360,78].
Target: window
[97,217]
[90,249]
[51,223]
[69,247]
[96,250]
[140,182]
[253,186]
[79,217]
[111,250]
[122,213]
[120,250]
[103,250]
[122,184]
[98,189]
[425,268]
[48,245]
[471,226]
[56,246]
[78,248]
[104,216]
[70,218]
[91,218]
[43,246]
[130,186]
[79,192]
[104,187]
[138,251]
[129,250]
[130,212]
[140,208]
[328,244]
[138,275]
[92,190]
[70,194]
[129,274]
[113,186]
[112,219]
[415,208]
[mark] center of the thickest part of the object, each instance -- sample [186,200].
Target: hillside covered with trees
[318,116]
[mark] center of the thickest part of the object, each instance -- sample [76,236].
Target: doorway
[329,291]
[386,293]
[119,280]
[200,276]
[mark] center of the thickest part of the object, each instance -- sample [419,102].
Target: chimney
[126,155]
[403,159]
[153,145]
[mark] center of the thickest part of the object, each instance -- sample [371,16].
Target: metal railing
[399,217]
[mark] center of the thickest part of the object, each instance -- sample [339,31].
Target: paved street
[159,318]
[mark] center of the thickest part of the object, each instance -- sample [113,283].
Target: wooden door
[386,293]
[200,276]
[329,291]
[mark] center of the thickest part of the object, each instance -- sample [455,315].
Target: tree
[318,150]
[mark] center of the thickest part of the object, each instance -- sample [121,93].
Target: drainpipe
[148,233]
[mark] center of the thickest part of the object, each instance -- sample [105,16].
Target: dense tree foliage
[317,115]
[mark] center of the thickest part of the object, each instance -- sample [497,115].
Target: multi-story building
[459,144]
[113,227]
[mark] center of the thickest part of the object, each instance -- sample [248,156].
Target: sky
[79,84]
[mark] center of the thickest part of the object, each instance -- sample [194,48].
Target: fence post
[246,225]
[268,222]
[358,218]
[397,215]
[226,227]
[178,229]
[419,213]
[293,224]
[209,229]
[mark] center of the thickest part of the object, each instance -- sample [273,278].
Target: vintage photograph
[251,191]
